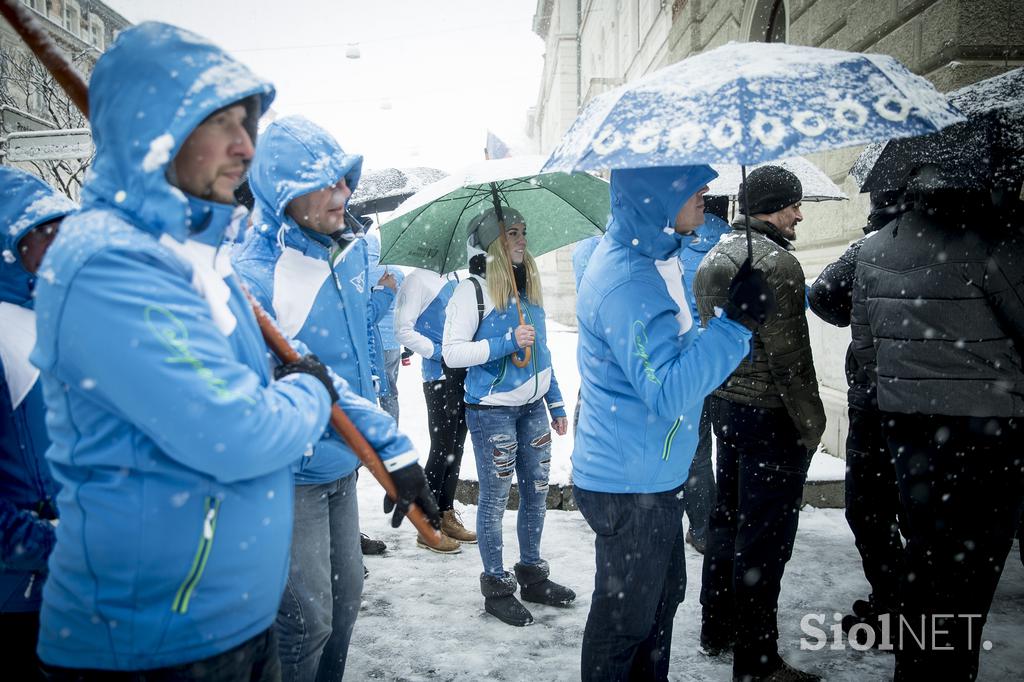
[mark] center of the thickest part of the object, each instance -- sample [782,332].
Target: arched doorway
[766,21]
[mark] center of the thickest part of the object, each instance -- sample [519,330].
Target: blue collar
[208,221]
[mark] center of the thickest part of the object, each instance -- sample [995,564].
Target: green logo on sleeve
[173,334]
[640,342]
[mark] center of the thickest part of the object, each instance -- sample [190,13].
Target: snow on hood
[645,202]
[147,93]
[295,157]
[28,202]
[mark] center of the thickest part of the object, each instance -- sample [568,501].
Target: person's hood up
[645,202]
[148,92]
[295,157]
[28,203]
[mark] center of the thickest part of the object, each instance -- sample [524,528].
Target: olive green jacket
[782,371]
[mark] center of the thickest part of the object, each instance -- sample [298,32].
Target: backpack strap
[479,300]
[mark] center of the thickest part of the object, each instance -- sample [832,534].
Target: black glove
[751,300]
[412,488]
[309,364]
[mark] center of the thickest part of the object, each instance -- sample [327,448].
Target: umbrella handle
[524,361]
[37,39]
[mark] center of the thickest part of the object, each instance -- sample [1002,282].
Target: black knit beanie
[770,189]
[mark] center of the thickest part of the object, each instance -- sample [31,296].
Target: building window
[72,16]
[96,37]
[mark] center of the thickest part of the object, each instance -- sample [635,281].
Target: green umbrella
[429,229]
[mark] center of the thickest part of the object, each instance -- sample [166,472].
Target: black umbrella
[380,191]
[984,152]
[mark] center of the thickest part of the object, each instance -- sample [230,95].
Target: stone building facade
[596,45]
[30,98]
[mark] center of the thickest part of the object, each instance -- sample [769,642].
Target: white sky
[449,69]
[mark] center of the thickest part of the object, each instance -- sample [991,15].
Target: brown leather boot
[447,546]
[451,525]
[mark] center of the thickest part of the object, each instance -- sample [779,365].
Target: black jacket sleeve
[831,295]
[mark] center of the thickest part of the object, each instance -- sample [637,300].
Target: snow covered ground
[423,617]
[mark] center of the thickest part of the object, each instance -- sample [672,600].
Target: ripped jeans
[506,440]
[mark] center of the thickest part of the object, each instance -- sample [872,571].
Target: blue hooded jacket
[581,257]
[317,291]
[484,346]
[705,238]
[386,322]
[644,370]
[171,441]
[26,486]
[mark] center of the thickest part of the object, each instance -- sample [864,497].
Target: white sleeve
[408,308]
[460,325]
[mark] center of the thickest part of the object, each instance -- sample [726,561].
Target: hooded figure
[637,350]
[309,270]
[315,287]
[171,440]
[26,486]
[644,374]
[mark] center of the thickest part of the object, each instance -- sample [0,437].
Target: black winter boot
[535,586]
[500,602]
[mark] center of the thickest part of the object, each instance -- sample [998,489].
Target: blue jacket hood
[709,233]
[148,92]
[645,202]
[295,157]
[29,202]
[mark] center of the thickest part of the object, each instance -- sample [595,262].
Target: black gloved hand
[309,364]
[412,488]
[751,299]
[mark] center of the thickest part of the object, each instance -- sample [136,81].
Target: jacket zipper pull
[208,524]
[31,582]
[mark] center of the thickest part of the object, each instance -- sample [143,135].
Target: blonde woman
[505,406]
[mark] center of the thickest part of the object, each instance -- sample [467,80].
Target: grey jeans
[325,583]
[392,361]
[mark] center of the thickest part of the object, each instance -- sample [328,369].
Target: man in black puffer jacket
[938,324]
[872,498]
[768,419]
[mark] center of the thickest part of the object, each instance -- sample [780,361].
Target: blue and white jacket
[484,347]
[704,239]
[381,318]
[644,369]
[316,290]
[385,323]
[171,440]
[420,314]
[26,487]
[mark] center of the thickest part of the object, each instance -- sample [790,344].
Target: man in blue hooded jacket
[31,212]
[171,440]
[309,272]
[644,374]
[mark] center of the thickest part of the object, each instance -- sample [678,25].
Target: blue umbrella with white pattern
[749,103]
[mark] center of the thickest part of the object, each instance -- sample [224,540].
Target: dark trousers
[446,419]
[639,583]
[254,660]
[761,472]
[872,508]
[19,633]
[700,486]
[961,481]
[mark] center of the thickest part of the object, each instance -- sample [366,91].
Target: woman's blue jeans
[509,440]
